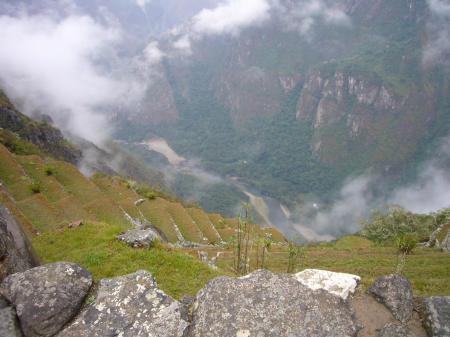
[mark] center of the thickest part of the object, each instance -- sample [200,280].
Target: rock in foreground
[395,292]
[269,305]
[437,316]
[129,306]
[394,330]
[47,297]
[15,253]
[339,284]
[9,326]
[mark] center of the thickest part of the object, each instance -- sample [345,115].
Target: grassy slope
[67,195]
[427,269]
[94,246]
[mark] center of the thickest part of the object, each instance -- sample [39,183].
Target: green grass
[95,247]
[155,211]
[43,215]
[75,183]
[35,167]
[10,170]
[17,145]
[427,269]
[6,201]
[203,222]
[184,222]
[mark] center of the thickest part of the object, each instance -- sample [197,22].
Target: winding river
[271,211]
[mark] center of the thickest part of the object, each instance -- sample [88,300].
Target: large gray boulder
[269,305]
[129,306]
[436,316]
[395,292]
[15,251]
[139,238]
[9,326]
[394,330]
[47,297]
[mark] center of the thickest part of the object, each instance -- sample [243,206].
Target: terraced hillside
[49,194]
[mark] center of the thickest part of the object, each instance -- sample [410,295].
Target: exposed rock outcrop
[15,252]
[395,292]
[139,238]
[445,244]
[339,284]
[47,297]
[41,134]
[436,315]
[324,97]
[129,306]
[9,326]
[394,330]
[267,304]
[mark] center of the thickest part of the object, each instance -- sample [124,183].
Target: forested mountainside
[294,110]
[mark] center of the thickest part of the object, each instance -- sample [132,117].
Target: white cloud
[183,44]
[231,17]
[430,193]
[342,217]
[58,67]
[302,16]
[438,47]
[153,53]
[431,190]
[142,3]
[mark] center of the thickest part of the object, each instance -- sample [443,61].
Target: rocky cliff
[360,93]
[42,134]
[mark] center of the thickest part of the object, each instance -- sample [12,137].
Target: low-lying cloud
[51,66]
[231,17]
[437,51]
[429,192]
[303,16]
[342,217]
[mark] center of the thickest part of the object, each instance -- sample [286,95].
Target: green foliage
[406,243]
[95,247]
[242,241]
[17,145]
[49,170]
[295,253]
[397,222]
[146,191]
[35,187]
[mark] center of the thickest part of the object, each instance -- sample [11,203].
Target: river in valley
[270,211]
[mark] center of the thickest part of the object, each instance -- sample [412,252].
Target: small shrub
[406,243]
[35,187]
[295,253]
[386,227]
[146,191]
[49,170]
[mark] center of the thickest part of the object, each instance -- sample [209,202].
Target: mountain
[15,126]
[294,113]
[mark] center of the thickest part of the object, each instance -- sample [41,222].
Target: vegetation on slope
[64,195]
[95,247]
[44,137]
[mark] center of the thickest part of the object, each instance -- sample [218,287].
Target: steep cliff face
[43,135]
[328,98]
[360,117]
[358,95]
